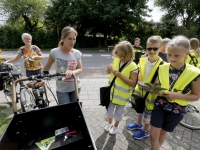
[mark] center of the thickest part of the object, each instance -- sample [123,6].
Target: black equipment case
[26,128]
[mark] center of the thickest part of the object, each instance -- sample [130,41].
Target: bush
[10,37]
[45,39]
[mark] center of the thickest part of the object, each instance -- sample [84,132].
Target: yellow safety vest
[120,92]
[187,76]
[149,102]
[1,59]
[192,59]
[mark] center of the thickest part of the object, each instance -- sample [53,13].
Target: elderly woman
[32,55]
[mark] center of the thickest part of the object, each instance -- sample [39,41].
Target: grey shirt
[64,62]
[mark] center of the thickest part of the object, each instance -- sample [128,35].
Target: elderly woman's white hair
[26,34]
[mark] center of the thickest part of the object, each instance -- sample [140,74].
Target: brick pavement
[181,139]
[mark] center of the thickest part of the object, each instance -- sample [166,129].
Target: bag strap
[120,69]
[195,62]
[153,79]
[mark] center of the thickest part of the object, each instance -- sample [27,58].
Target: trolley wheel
[191,119]
[27,100]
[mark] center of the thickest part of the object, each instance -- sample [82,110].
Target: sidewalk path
[181,139]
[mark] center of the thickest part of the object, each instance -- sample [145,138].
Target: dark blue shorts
[164,119]
[29,73]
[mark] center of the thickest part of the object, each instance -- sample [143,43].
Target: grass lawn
[4,120]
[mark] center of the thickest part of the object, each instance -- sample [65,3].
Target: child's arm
[194,96]
[130,81]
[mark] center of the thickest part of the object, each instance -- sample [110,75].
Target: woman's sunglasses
[152,48]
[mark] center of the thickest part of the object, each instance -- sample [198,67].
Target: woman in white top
[67,60]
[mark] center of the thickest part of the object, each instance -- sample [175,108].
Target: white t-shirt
[148,67]
[64,62]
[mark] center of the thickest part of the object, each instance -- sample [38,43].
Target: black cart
[25,129]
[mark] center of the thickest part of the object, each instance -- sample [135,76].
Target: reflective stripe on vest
[120,92]
[139,50]
[187,76]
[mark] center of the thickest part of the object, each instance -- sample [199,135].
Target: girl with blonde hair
[123,84]
[194,56]
[181,82]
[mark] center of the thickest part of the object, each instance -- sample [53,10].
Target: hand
[30,59]
[45,72]
[7,63]
[116,73]
[109,68]
[68,74]
[33,57]
[170,95]
[146,88]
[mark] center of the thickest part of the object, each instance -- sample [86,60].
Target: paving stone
[187,134]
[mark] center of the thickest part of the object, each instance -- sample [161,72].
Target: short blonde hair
[155,39]
[180,42]
[64,33]
[126,48]
[26,34]
[166,41]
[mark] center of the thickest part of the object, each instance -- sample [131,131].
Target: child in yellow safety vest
[182,83]
[148,66]
[122,87]
[194,56]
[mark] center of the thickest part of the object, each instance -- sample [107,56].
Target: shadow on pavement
[103,142]
[110,142]
[100,141]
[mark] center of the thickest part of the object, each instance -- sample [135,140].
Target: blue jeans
[67,97]
[29,73]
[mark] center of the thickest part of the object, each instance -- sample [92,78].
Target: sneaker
[141,134]
[108,127]
[134,126]
[113,130]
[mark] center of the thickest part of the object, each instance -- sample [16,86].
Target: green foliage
[9,37]
[45,39]
[27,12]
[4,120]
[109,17]
[187,12]
[194,32]
[116,19]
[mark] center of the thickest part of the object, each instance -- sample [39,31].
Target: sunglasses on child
[152,48]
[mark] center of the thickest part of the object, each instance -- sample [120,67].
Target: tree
[28,12]
[109,17]
[186,12]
